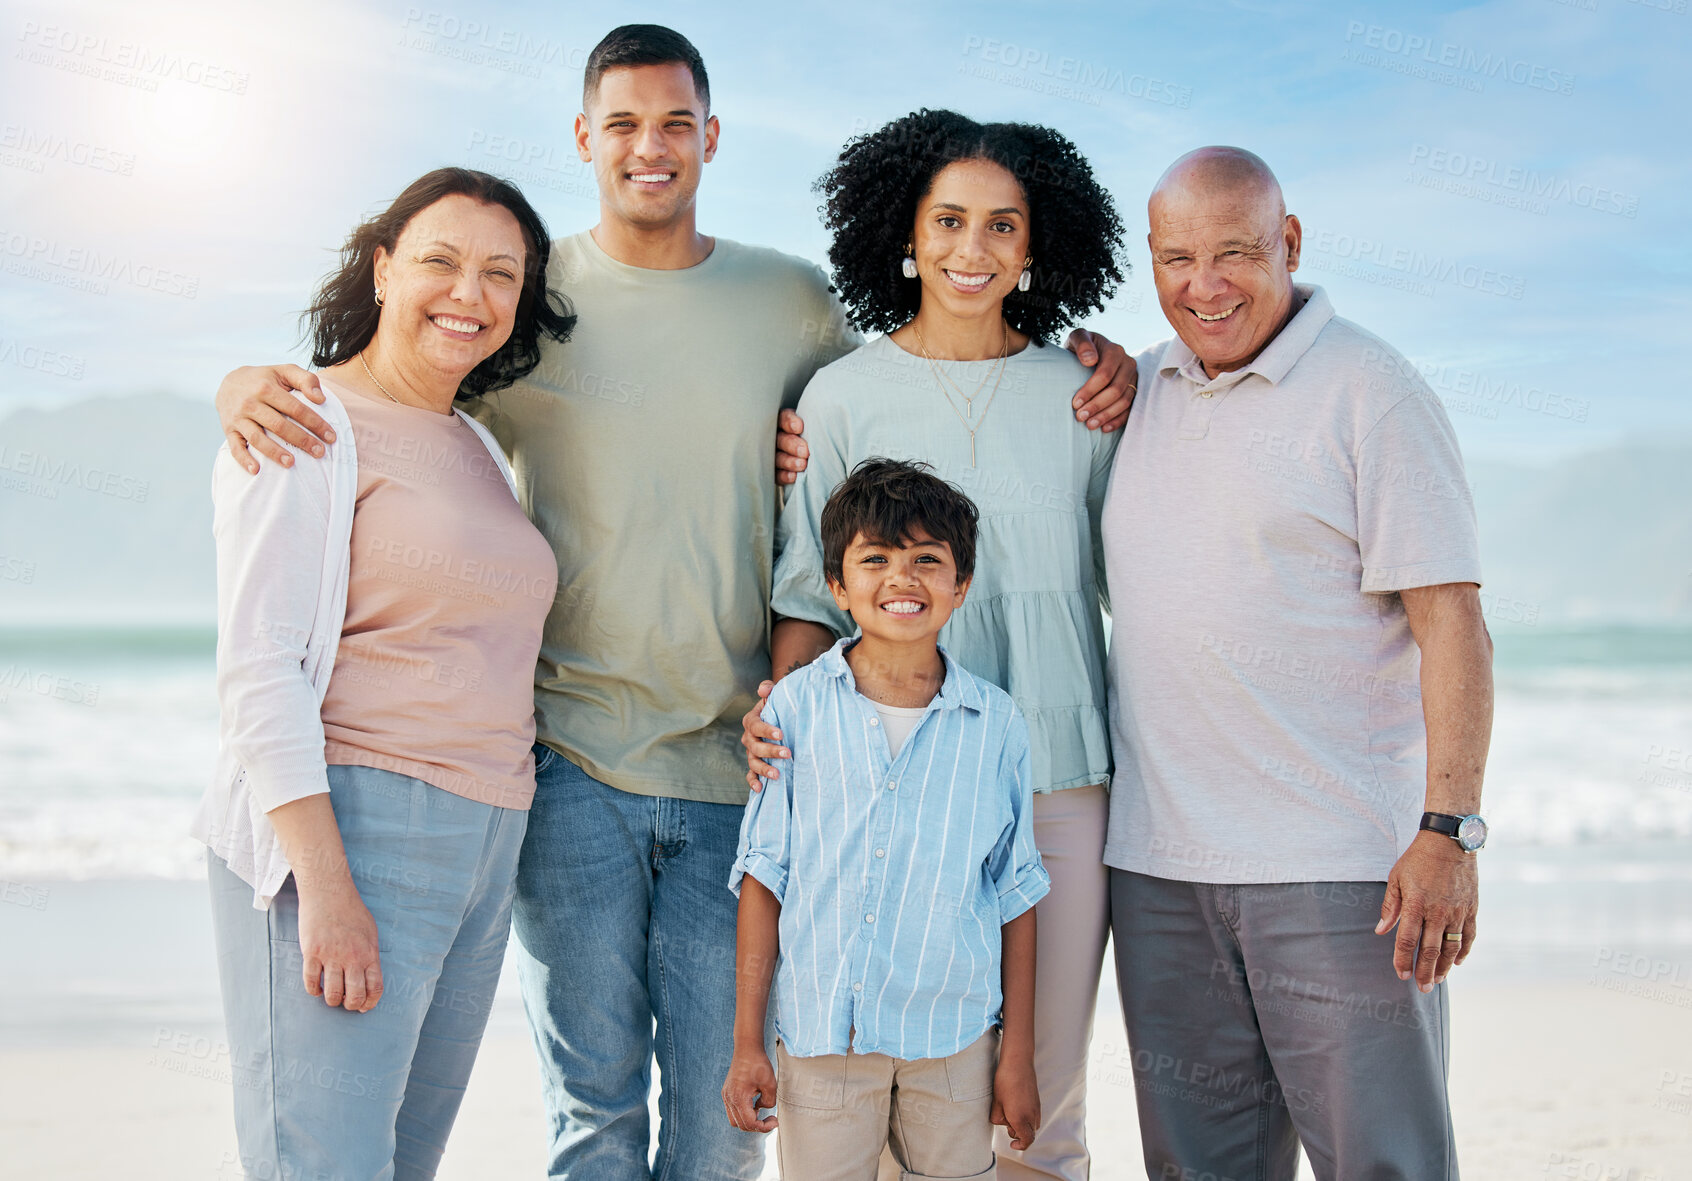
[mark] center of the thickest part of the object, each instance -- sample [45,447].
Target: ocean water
[107,738]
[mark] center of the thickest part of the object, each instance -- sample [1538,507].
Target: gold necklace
[372,377]
[969,400]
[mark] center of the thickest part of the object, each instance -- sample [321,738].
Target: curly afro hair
[1075,235]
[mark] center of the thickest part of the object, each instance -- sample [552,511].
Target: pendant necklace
[943,381]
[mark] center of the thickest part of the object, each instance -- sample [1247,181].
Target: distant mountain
[105,515]
[1605,535]
[105,511]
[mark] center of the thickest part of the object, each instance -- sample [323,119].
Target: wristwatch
[1468,831]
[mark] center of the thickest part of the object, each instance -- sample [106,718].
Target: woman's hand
[760,739]
[255,403]
[751,1084]
[338,941]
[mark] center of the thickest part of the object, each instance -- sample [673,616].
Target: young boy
[888,877]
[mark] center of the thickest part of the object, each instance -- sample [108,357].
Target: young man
[641,448]
[887,877]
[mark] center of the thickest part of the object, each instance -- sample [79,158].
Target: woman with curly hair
[379,615]
[968,245]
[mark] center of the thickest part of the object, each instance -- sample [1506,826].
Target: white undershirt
[898,722]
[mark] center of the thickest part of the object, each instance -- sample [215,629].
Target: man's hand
[760,740]
[339,946]
[1104,401]
[1016,1101]
[751,1084]
[255,403]
[1433,890]
[791,452]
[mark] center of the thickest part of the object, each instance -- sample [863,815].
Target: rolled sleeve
[766,827]
[1415,517]
[1015,867]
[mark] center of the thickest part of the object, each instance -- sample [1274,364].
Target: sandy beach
[1571,1054]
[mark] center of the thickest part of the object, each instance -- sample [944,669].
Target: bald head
[1223,254]
[1224,175]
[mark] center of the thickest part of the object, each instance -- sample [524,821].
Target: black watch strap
[1442,823]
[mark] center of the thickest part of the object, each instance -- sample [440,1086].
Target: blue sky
[1496,188]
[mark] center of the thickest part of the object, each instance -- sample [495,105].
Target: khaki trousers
[1074,922]
[837,1111]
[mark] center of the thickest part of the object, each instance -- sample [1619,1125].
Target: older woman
[379,614]
[969,245]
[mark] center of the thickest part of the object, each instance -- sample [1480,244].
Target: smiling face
[970,240]
[899,594]
[1222,260]
[450,287]
[648,138]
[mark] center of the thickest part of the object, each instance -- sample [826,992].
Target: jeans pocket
[969,1072]
[544,755]
[817,1084]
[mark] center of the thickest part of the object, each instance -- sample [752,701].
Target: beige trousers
[1073,924]
[838,1111]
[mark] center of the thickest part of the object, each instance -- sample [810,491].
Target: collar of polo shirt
[1278,356]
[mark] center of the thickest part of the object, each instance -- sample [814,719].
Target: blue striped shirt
[894,875]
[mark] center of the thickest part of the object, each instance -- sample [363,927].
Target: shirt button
[881,852]
[857,986]
[892,785]
[1207,393]
[875,721]
[869,918]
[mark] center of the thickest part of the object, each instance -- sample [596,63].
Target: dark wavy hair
[1075,235]
[343,314]
[887,500]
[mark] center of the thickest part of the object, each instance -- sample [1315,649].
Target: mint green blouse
[1031,623]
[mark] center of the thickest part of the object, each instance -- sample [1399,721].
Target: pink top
[448,588]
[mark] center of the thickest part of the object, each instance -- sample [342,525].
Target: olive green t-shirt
[644,451]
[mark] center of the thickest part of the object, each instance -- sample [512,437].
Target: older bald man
[1303,704]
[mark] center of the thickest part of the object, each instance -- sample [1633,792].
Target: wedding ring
[1454,936]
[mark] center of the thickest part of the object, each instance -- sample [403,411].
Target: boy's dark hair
[643,45]
[886,500]
[1075,235]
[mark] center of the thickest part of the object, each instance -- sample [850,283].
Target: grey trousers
[1260,1016]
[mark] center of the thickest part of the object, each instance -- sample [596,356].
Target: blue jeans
[625,926]
[325,1093]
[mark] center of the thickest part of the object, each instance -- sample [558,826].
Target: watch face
[1471,833]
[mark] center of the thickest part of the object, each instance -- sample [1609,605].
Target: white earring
[908,267]
[1025,280]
